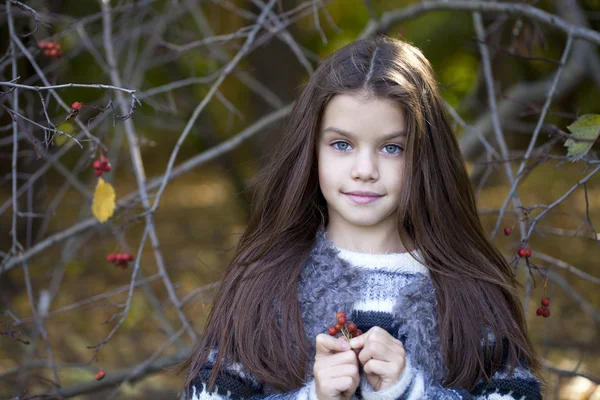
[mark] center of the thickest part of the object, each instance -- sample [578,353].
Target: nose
[365,167]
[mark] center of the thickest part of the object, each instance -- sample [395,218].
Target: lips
[361,197]
[364,194]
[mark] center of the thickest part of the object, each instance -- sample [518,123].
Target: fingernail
[345,345]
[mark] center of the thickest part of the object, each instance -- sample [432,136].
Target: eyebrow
[342,132]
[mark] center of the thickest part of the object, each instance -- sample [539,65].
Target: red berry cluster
[120,259]
[348,329]
[544,311]
[101,166]
[525,252]
[100,375]
[51,49]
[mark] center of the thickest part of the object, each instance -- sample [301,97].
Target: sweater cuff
[309,391]
[391,393]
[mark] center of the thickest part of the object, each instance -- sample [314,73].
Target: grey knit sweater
[394,293]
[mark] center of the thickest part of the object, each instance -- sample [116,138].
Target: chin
[366,221]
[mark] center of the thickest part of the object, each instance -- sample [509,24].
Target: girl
[366,208]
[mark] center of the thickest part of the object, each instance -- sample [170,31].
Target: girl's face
[361,149]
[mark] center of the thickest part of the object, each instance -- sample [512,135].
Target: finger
[344,384]
[375,350]
[342,370]
[359,341]
[348,388]
[335,360]
[325,344]
[383,368]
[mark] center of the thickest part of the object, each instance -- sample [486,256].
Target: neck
[370,240]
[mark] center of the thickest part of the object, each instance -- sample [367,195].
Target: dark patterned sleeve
[415,384]
[234,382]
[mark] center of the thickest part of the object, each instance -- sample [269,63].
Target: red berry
[522,252]
[342,319]
[76,106]
[546,312]
[539,311]
[507,231]
[42,45]
[100,375]
[111,257]
[527,252]
[338,327]
[340,314]
[96,164]
[545,302]
[358,332]
[332,331]
[107,167]
[130,257]
[352,327]
[123,264]
[98,172]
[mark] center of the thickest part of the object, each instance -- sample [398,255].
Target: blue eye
[337,148]
[394,146]
[341,142]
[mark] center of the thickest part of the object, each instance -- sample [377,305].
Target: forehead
[362,115]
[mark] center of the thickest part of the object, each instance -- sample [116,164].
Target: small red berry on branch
[75,108]
[100,375]
[507,231]
[546,313]
[545,302]
[524,252]
[539,311]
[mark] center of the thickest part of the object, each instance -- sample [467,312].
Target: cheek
[325,169]
[395,179]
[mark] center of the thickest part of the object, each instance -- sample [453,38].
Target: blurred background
[215,88]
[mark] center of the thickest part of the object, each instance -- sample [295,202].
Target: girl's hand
[382,357]
[336,368]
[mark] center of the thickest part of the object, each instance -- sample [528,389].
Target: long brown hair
[256,315]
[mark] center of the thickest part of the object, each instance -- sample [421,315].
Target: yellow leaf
[60,140]
[103,205]
[586,127]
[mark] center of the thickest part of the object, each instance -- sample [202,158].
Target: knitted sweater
[392,291]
